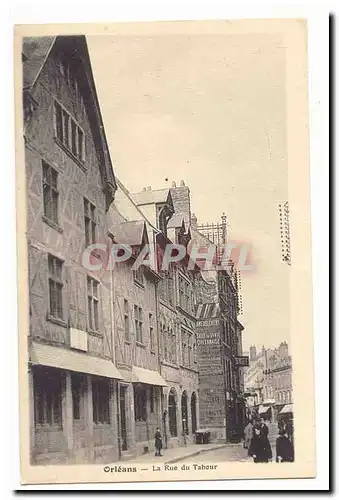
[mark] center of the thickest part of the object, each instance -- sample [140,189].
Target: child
[158,443]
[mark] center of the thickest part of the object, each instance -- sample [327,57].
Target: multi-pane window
[68,132]
[47,397]
[185,300]
[90,222]
[126,319]
[151,332]
[166,287]
[55,286]
[138,323]
[93,304]
[140,404]
[100,398]
[50,192]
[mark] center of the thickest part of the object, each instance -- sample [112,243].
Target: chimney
[149,188]
[181,201]
[144,189]
[253,353]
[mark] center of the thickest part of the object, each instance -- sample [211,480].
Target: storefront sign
[242,361]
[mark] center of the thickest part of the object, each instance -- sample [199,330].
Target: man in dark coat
[284,448]
[260,448]
[158,443]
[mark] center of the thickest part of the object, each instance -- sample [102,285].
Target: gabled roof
[176,221]
[131,233]
[36,51]
[150,197]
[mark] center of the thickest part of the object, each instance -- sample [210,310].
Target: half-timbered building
[70,186]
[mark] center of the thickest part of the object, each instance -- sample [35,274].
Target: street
[231,452]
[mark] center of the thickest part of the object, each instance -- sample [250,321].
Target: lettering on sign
[242,361]
[208,341]
[209,322]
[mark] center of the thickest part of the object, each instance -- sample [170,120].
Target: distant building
[269,377]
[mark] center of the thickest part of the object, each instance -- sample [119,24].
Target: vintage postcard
[165,322]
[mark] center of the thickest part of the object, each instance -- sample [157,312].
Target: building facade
[219,347]
[113,353]
[169,211]
[70,185]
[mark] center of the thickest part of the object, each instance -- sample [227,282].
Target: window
[140,401]
[138,323]
[194,353]
[100,397]
[55,286]
[185,300]
[68,132]
[190,356]
[50,192]
[90,222]
[93,304]
[173,346]
[77,392]
[184,341]
[138,274]
[151,332]
[47,397]
[126,320]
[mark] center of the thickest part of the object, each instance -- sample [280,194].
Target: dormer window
[164,213]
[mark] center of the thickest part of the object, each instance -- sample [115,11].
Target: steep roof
[151,196]
[177,220]
[131,233]
[36,51]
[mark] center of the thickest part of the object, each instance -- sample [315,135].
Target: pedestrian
[284,447]
[260,448]
[158,442]
[248,434]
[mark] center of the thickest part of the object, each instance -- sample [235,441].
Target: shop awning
[68,359]
[144,376]
[287,409]
[263,409]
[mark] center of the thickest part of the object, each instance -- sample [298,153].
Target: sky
[210,110]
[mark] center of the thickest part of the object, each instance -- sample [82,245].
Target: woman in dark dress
[260,448]
[284,448]
[158,443]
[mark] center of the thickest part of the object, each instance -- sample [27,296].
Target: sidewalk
[172,455]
